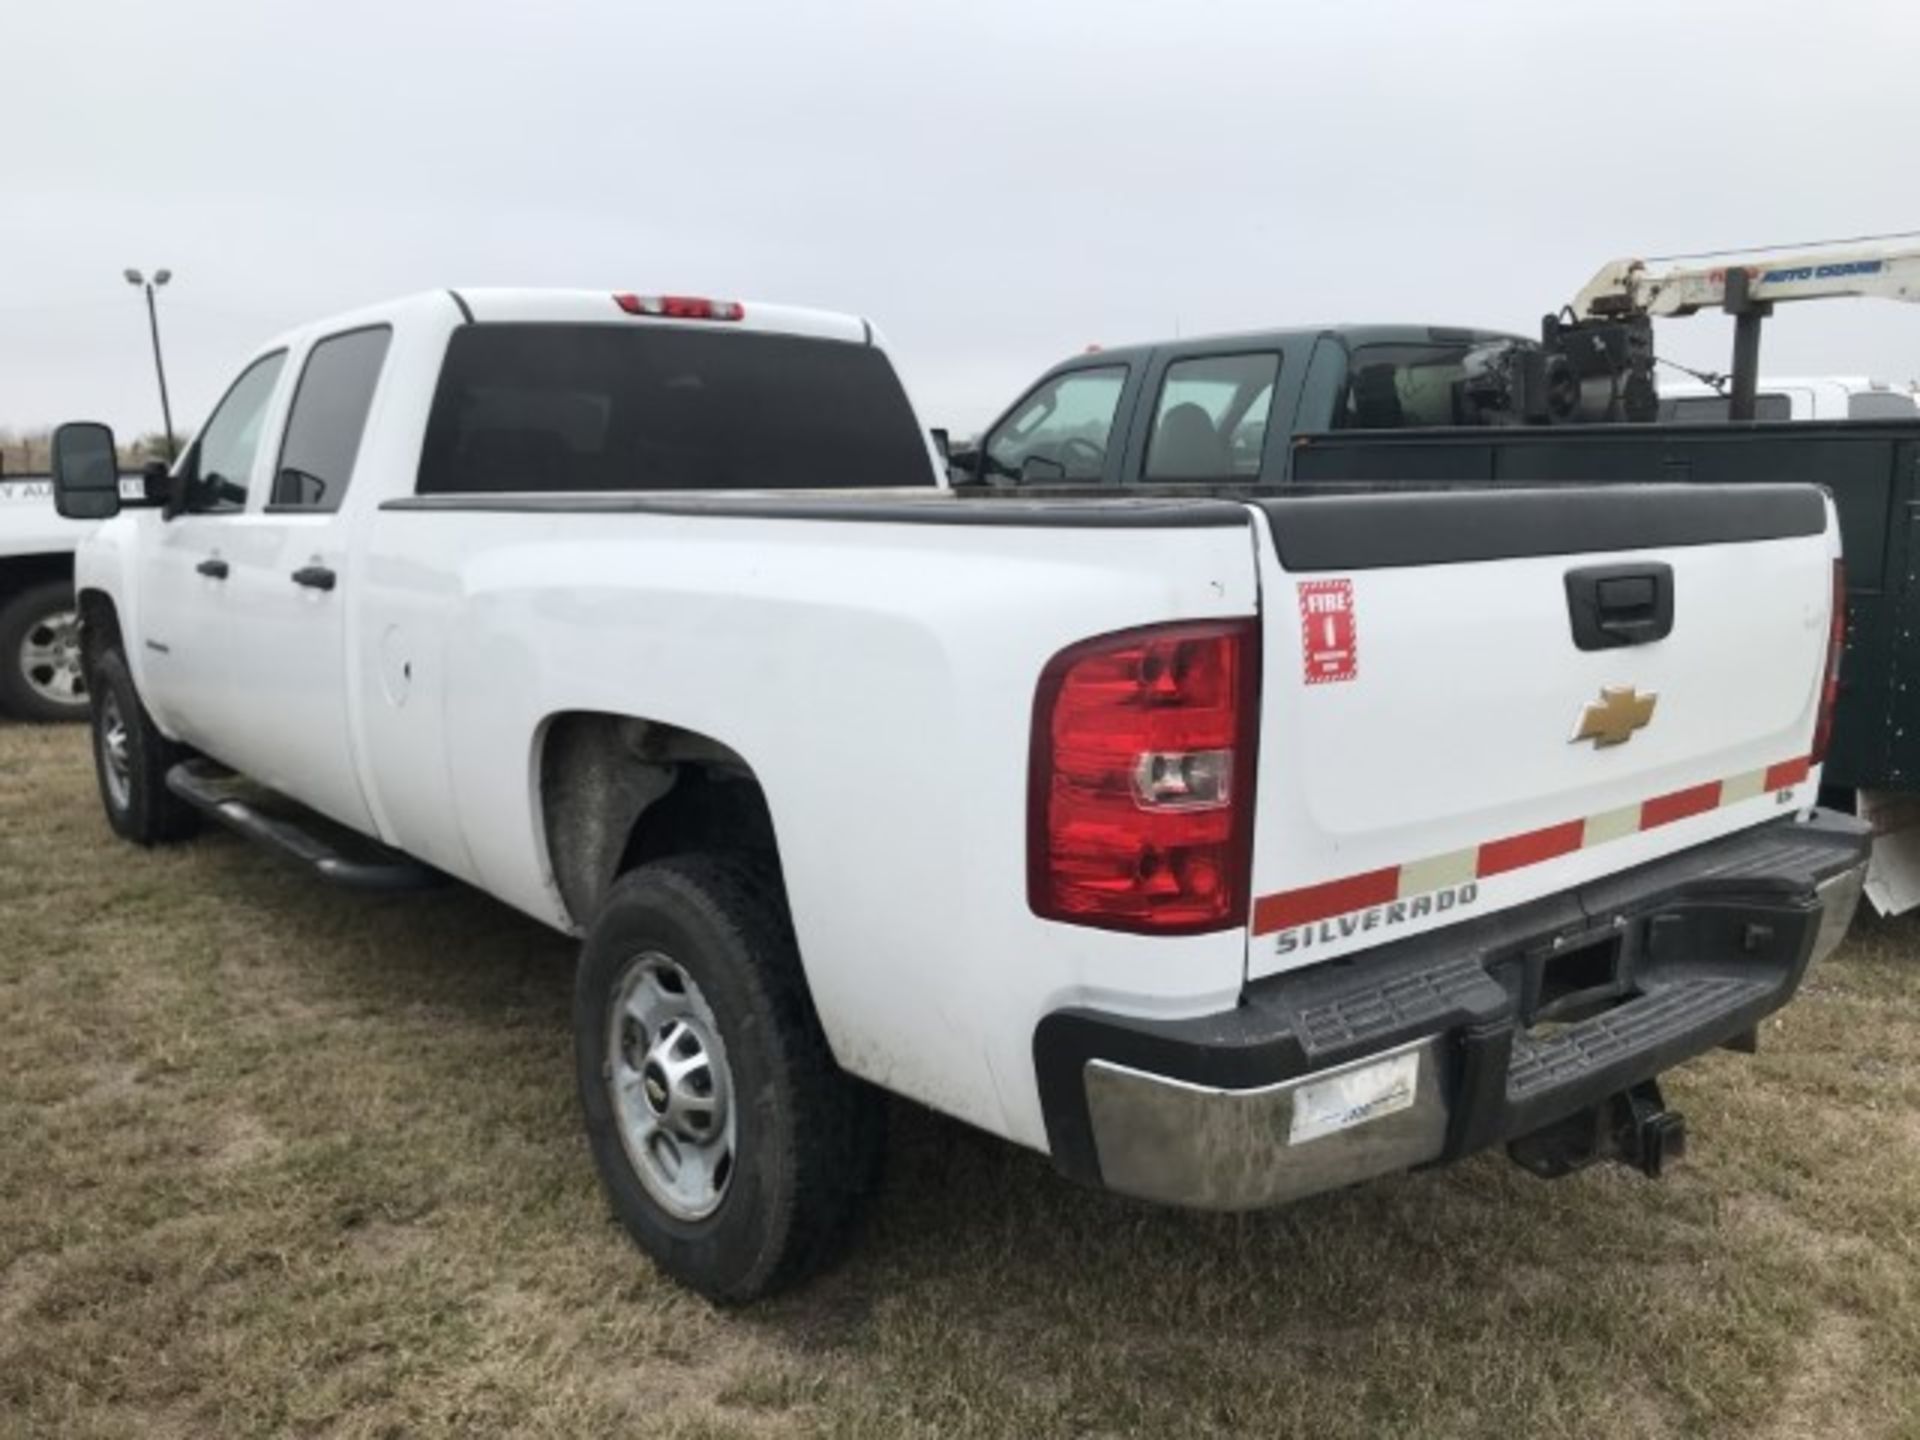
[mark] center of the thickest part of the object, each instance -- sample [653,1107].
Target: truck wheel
[40,674]
[131,759]
[734,1150]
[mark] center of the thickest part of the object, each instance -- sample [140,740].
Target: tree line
[29,452]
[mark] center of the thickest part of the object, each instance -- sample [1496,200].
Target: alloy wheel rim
[115,744]
[49,659]
[671,1087]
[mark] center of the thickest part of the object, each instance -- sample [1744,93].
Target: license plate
[1353,1097]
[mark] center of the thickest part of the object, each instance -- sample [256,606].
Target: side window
[222,457]
[1061,430]
[1211,419]
[328,417]
[1880,405]
[1712,409]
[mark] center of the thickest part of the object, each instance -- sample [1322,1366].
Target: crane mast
[1617,306]
[1631,287]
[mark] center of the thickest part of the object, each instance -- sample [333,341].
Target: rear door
[1211,413]
[1443,734]
[291,587]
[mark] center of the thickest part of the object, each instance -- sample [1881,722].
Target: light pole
[160,277]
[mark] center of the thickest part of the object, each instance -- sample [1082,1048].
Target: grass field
[279,1159]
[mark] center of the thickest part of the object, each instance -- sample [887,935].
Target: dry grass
[276,1159]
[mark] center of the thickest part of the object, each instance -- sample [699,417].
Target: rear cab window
[559,407]
[1408,385]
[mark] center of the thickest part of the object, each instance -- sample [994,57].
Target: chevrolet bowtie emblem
[1612,719]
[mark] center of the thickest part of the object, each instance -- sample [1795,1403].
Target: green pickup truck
[1377,406]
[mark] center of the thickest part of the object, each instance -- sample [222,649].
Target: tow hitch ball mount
[1634,1127]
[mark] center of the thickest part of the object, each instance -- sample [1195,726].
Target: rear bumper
[1430,1049]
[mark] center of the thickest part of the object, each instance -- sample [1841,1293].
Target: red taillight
[1140,807]
[1830,681]
[681,307]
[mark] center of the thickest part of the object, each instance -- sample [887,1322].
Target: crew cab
[1225,408]
[1225,849]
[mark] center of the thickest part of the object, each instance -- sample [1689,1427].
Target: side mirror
[176,495]
[155,485]
[86,472]
[963,466]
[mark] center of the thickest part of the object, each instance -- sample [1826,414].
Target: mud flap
[1893,872]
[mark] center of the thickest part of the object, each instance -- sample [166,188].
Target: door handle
[214,568]
[1615,605]
[314,577]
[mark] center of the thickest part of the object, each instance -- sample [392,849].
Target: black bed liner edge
[1337,529]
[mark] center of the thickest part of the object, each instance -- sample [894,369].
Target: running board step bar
[234,802]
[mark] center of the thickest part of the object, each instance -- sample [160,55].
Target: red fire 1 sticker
[1329,638]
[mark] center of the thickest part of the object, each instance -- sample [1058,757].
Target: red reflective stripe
[1789,772]
[1317,902]
[1499,856]
[1665,809]
[1496,857]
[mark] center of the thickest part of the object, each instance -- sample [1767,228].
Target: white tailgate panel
[1455,731]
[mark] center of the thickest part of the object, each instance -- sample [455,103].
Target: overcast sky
[994,183]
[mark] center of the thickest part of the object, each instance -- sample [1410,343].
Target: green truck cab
[1389,406]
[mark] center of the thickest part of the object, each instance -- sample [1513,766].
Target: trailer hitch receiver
[1650,1134]
[1634,1127]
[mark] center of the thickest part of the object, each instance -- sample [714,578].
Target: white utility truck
[1225,847]
[40,674]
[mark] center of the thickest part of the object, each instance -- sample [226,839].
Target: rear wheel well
[617,791]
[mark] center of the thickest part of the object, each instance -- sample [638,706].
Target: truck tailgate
[1475,698]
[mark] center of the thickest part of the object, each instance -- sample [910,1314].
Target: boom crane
[1615,309]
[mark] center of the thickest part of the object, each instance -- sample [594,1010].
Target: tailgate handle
[1615,605]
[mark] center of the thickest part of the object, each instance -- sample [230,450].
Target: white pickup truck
[40,674]
[1225,849]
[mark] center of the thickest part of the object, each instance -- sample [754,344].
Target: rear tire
[40,671]
[733,1149]
[131,759]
